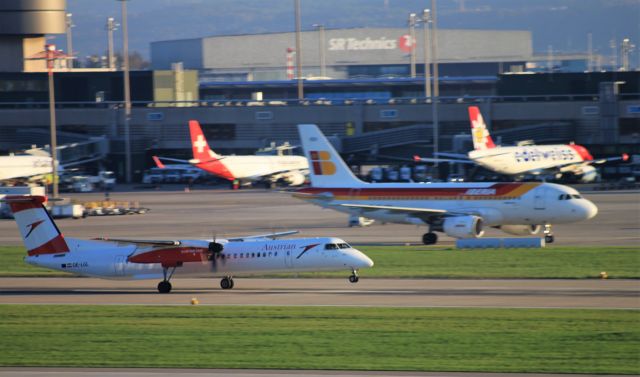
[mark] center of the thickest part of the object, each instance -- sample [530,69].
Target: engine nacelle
[463,226]
[589,174]
[521,230]
[215,247]
[295,178]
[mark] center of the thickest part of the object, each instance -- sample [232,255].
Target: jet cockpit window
[330,246]
[564,197]
[576,196]
[344,245]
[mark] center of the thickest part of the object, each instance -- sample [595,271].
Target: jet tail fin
[201,150]
[479,132]
[39,232]
[326,167]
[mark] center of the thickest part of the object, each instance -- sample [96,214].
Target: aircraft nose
[586,210]
[590,209]
[361,260]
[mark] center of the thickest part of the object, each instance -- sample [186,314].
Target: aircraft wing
[623,157]
[258,237]
[437,159]
[422,213]
[159,163]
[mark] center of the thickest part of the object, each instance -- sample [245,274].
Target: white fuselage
[497,203]
[523,159]
[254,167]
[111,260]
[22,166]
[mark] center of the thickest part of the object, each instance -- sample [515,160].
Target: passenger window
[253,255]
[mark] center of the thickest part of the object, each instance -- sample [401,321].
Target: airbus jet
[291,169]
[558,159]
[460,210]
[149,259]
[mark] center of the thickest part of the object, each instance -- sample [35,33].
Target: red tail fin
[479,133]
[201,150]
[39,233]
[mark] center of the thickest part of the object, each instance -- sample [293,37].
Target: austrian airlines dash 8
[161,259]
[460,210]
[290,169]
[559,159]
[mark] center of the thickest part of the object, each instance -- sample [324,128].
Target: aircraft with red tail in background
[161,259]
[288,168]
[525,158]
[460,210]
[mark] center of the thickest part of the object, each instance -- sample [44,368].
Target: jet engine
[589,174]
[294,178]
[521,230]
[463,226]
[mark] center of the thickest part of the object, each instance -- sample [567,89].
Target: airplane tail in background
[39,233]
[326,167]
[479,133]
[201,150]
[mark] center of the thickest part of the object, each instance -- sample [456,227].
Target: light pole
[127,92]
[412,36]
[321,49]
[111,27]
[426,19]
[298,50]
[69,24]
[436,85]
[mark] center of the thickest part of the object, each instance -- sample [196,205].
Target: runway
[206,212]
[609,294]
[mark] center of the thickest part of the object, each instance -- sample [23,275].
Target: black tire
[548,239]
[164,287]
[429,238]
[353,279]
[232,283]
[226,283]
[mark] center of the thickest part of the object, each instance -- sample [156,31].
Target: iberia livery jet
[460,210]
[291,169]
[148,259]
[557,159]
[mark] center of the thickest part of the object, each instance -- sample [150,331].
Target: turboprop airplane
[291,169]
[460,210]
[524,158]
[149,259]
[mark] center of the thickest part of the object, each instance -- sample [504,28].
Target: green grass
[437,262]
[491,340]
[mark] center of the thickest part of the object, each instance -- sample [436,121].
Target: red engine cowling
[521,230]
[463,226]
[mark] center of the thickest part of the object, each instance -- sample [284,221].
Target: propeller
[214,252]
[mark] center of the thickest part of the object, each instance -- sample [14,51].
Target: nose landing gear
[354,277]
[548,234]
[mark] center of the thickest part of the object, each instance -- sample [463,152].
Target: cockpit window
[344,245]
[576,196]
[330,246]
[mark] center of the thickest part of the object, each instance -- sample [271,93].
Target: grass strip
[412,339]
[437,262]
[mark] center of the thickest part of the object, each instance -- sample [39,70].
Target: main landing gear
[226,282]
[429,238]
[354,277]
[164,286]
[548,234]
